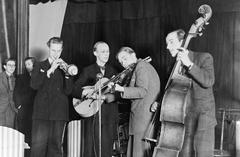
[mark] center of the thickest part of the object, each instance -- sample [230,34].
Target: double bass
[175,138]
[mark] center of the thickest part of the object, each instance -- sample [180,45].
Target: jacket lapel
[4,80]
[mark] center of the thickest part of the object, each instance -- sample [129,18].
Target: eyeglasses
[11,65]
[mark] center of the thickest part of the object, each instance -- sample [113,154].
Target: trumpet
[68,69]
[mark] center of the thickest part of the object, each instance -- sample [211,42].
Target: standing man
[50,110]
[7,83]
[143,90]
[23,96]
[109,110]
[199,67]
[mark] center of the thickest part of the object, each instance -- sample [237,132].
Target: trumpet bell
[72,70]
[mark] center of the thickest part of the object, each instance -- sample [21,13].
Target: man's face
[29,65]
[10,67]
[55,51]
[126,59]
[102,53]
[173,43]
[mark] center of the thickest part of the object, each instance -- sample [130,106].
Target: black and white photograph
[120,78]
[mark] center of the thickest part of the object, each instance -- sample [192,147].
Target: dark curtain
[8,27]
[138,24]
[144,24]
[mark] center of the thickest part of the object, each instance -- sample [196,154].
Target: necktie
[102,69]
[10,85]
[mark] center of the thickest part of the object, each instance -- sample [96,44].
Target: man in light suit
[143,90]
[7,83]
[199,67]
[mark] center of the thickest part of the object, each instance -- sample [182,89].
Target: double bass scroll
[176,136]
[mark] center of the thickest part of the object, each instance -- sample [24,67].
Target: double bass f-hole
[176,136]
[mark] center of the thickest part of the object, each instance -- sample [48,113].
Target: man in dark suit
[23,96]
[50,110]
[199,67]
[109,111]
[143,90]
[7,83]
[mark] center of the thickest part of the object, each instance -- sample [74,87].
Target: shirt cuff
[190,66]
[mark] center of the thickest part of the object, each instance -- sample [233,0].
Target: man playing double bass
[199,67]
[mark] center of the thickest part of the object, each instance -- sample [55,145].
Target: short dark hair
[98,43]
[54,40]
[8,59]
[33,59]
[180,34]
[126,49]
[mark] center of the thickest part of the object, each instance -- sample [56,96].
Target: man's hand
[96,96]
[183,57]
[87,92]
[116,87]
[54,66]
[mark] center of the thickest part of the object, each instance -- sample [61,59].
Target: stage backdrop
[45,21]
[144,24]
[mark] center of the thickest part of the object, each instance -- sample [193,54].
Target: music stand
[220,152]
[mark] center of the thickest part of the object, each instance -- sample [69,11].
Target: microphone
[99,76]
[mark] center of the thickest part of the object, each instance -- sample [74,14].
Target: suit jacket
[6,96]
[51,101]
[143,90]
[23,96]
[202,73]
[88,78]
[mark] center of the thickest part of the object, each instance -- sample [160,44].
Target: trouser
[204,143]
[197,142]
[90,142]
[25,127]
[91,137]
[47,138]
[137,147]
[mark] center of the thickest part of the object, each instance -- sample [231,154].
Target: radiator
[74,138]
[11,143]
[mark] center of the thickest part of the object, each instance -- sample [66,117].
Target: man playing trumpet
[50,110]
